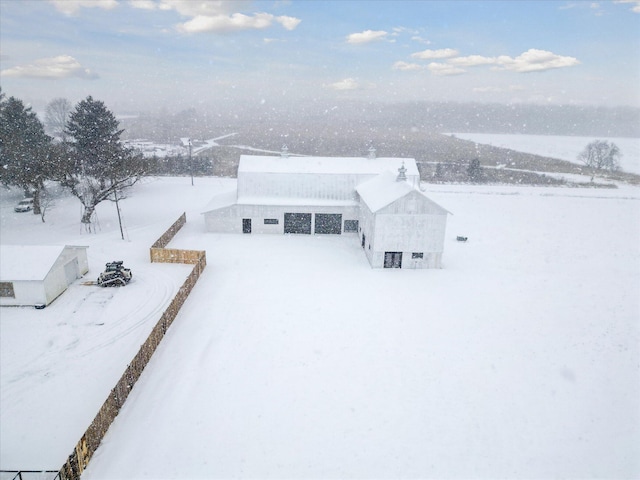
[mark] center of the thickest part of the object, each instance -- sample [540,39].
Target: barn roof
[384,189]
[222,200]
[27,262]
[325,165]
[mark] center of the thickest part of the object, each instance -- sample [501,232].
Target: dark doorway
[246,225]
[363,240]
[328,223]
[297,223]
[392,259]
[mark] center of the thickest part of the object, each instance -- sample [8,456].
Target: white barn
[377,199]
[37,275]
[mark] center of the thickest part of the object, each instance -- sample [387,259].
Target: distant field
[562,147]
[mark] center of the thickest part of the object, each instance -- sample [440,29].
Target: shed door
[328,223]
[246,225]
[297,223]
[392,259]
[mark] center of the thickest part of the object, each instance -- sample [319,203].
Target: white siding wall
[224,220]
[367,225]
[55,283]
[26,293]
[415,233]
[430,260]
[229,220]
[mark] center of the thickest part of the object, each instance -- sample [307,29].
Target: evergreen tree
[474,171]
[25,159]
[97,167]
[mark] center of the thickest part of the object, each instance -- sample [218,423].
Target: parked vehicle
[115,275]
[25,205]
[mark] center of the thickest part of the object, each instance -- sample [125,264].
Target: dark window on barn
[350,226]
[417,255]
[271,221]
[6,290]
[329,223]
[297,223]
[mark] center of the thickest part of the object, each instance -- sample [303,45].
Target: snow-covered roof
[326,165]
[222,200]
[296,201]
[382,190]
[27,262]
[385,189]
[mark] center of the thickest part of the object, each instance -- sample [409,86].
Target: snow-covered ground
[561,147]
[292,358]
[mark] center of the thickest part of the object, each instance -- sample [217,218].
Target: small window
[417,255]
[271,221]
[350,226]
[6,290]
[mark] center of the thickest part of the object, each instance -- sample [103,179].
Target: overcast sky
[143,54]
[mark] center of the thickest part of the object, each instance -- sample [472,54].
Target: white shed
[37,275]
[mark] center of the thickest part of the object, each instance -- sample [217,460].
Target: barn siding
[415,233]
[229,219]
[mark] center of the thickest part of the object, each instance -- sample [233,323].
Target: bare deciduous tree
[56,116]
[601,155]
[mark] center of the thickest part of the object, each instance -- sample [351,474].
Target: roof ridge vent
[402,174]
[372,152]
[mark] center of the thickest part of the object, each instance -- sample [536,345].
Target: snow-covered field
[561,147]
[294,359]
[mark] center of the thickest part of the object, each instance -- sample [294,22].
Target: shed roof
[326,165]
[27,262]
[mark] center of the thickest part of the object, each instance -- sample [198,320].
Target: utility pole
[115,194]
[190,163]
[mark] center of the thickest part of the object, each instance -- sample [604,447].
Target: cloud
[192,8]
[473,61]
[635,4]
[63,66]
[419,39]
[435,54]
[444,69]
[404,66]
[235,22]
[216,16]
[366,36]
[226,23]
[71,7]
[534,60]
[345,84]
[289,23]
[144,4]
